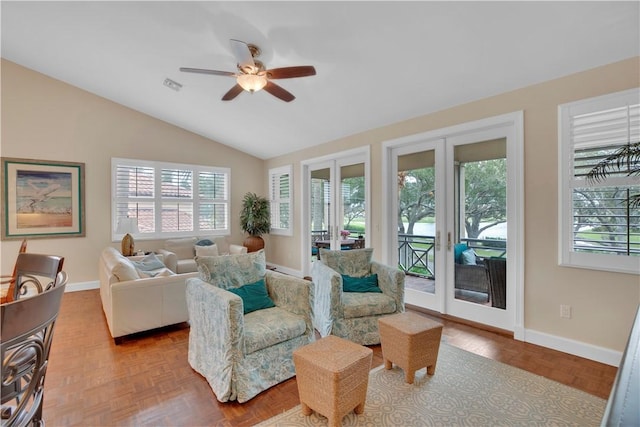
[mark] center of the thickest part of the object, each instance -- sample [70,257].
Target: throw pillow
[210,250]
[148,263]
[183,248]
[469,257]
[360,284]
[254,296]
[458,248]
[125,271]
[232,271]
[355,263]
[204,242]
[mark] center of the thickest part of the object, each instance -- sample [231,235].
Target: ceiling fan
[252,76]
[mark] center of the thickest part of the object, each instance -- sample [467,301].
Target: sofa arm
[292,294]
[170,259]
[216,334]
[391,281]
[237,249]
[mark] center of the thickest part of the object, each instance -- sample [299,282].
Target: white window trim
[568,257]
[282,170]
[158,166]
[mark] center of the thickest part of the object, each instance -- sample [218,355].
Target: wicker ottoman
[332,375]
[411,342]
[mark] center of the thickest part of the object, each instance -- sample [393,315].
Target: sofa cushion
[183,248]
[186,266]
[265,328]
[232,271]
[209,250]
[354,263]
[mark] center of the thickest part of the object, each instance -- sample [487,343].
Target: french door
[335,203]
[451,195]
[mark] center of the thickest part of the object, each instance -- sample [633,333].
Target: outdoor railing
[416,252]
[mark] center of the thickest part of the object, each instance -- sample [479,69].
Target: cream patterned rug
[466,389]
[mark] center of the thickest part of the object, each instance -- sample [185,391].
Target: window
[280,196]
[599,226]
[169,199]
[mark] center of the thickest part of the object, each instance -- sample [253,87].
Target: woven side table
[332,375]
[411,342]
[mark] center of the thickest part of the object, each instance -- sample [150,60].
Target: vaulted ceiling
[377,62]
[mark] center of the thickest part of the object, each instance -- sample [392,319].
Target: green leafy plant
[255,217]
[625,159]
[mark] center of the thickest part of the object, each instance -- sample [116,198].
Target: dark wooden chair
[497,274]
[27,332]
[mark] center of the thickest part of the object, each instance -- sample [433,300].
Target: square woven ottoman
[410,341]
[332,375]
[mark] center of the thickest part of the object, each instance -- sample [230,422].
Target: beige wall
[43,118]
[603,303]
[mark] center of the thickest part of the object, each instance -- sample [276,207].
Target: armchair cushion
[266,328]
[254,296]
[363,304]
[355,263]
[360,284]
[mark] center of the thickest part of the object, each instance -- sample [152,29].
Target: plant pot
[253,243]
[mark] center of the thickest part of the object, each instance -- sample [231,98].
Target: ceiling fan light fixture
[252,82]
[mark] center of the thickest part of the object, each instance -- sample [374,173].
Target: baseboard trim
[577,348]
[82,286]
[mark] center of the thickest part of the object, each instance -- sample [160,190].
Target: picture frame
[42,199]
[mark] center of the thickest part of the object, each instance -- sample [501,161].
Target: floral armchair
[240,354]
[354,315]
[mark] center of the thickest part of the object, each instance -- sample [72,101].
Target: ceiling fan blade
[279,92]
[291,72]
[233,92]
[203,71]
[242,54]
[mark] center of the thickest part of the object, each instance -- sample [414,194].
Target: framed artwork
[42,199]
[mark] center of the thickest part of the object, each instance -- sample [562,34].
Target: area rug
[466,390]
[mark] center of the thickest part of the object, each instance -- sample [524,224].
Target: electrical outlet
[565,311]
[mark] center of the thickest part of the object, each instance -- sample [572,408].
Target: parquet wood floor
[147,381]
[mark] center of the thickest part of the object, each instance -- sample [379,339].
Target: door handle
[449,241]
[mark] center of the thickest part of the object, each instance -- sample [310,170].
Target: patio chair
[497,273]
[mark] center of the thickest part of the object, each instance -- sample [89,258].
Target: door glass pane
[480,249]
[320,210]
[417,219]
[352,188]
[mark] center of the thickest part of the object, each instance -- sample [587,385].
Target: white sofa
[132,303]
[179,254]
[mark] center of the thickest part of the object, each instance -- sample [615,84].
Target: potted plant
[255,219]
[624,159]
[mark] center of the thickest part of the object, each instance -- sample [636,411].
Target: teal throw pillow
[254,296]
[204,242]
[360,284]
[458,249]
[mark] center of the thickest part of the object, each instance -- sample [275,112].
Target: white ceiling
[377,62]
